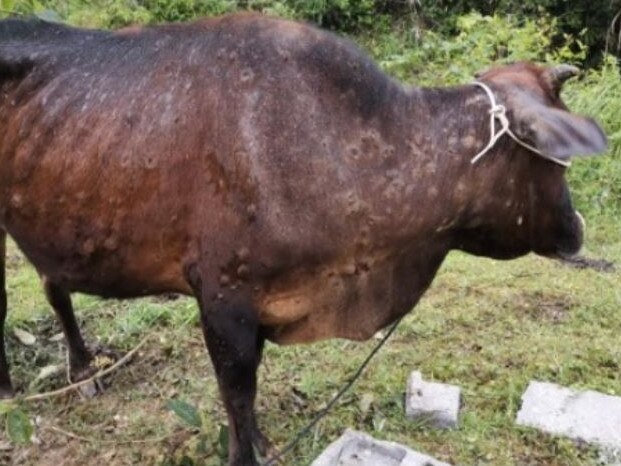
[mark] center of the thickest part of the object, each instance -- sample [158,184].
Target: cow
[272,171]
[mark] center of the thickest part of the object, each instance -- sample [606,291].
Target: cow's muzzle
[571,242]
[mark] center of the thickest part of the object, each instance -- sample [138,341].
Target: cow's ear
[557,132]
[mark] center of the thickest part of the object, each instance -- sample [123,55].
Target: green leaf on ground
[188,413]
[223,441]
[18,426]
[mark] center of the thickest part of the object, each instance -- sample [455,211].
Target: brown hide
[275,157]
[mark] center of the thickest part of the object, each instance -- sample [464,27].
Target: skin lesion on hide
[470,142]
[237,271]
[246,76]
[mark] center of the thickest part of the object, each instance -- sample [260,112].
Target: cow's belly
[95,267]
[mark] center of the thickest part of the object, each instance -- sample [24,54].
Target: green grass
[488,326]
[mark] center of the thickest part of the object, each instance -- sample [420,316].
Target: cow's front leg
[259,440]
[232,334]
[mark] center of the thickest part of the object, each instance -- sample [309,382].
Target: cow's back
[126,155]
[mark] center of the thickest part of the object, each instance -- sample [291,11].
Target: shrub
[587,20]
[597,182]
[479,42]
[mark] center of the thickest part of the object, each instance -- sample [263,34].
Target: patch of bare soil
[583,262]
[544,307]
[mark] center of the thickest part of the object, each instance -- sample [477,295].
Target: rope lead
[499,112]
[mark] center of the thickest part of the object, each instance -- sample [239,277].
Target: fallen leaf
[223,440]
[101,362]
[365,403]
[187,412]
[58,337]
[49,371]
[24,337]
[5,446]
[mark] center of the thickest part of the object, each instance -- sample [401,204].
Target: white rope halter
[499,111]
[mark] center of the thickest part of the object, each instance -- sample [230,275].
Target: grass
[488,326]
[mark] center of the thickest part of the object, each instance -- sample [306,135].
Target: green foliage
[186,412]
[480,42]
[582,24]
[183,10]
[7,5]
[223,441]
[95,13]
[587,20]
[16,423]
[596,182]
[343,15]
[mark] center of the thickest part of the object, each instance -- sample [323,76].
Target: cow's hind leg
[232,334]
[79,355]
[6,389]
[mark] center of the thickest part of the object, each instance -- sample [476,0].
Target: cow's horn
[561,73]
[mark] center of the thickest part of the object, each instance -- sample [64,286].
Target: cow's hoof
[272,457]
[6,392]
[99,358]
[91,388]
[262,444]
[265,448]
[105,355]
[102,359]
[243,462]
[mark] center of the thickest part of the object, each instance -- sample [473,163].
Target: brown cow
[272,171]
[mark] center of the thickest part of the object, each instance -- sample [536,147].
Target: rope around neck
[499,112]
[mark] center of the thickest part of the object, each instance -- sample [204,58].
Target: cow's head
[527,205]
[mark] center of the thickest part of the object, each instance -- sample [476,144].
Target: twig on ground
[99,374]
[108,442]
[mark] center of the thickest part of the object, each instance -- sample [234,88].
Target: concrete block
[609,457]
[588,416]
[435,403]
[359,449]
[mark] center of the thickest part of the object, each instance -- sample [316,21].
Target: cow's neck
[423,194]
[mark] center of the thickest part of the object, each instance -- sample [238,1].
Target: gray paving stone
[359,449]
[610,457]
[588,416]
[435,403]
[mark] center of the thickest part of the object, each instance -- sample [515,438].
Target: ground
[487,326]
